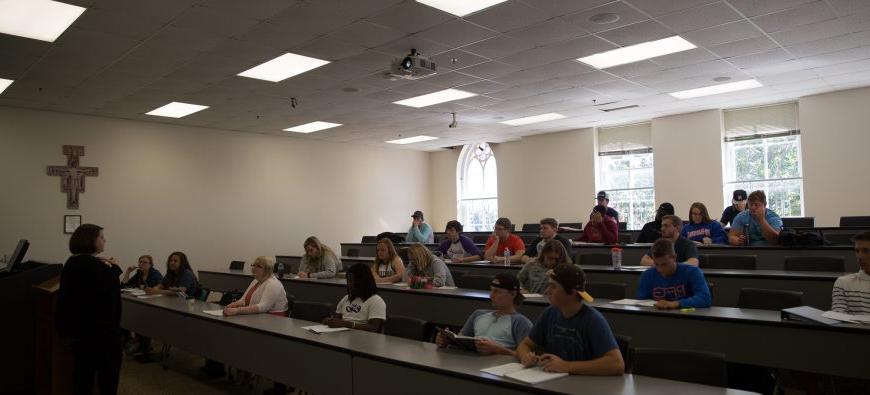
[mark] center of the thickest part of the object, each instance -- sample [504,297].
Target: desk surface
[421,355]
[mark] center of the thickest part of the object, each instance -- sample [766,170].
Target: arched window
[477,188]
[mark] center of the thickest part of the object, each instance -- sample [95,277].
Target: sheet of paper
[533,295]
[148,296]
[216,313]
[447,287]
[534,375]
[501,370]
[324,329]
[634,267]
[635,302]
[400,284]
[852,318]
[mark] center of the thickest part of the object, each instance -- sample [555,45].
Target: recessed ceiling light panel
[4,83]
[460,7]
[638,52]
[412,140]
[435,98]
[283,67]
[533,119]
[176,110]
[43,20]
[717,89]
[312,127]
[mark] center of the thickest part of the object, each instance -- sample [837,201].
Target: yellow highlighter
[687,309]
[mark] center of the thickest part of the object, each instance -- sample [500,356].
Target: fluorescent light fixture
[460,7]
[312,127]
[638,52]
[283,67]
[176,110]
[435,98]
[533,119]
[717,89]
[4,83]
[412,140]
[37,19]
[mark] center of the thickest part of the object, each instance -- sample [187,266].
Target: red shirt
[513,243]
[606,231]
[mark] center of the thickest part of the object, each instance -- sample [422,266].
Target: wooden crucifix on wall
[72,177]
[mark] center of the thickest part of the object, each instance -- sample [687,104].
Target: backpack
[801,238]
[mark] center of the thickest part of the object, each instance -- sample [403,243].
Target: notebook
[851,318]
[318,329]
[635,302]
[517,371]
[533,295]
[464,342]
[216,313]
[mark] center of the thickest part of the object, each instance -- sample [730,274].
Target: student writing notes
[362,307]
[671,284]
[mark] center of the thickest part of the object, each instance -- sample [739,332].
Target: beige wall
[835,137]
[687,150]
[214,194]
[442,184]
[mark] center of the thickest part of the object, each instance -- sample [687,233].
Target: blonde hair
[314,241]
[391,254]
[420,255]
[267,262]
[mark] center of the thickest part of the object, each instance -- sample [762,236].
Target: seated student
[572,336]
[764,224]
[501,329]
[362,307]
[147,276]
[179,277]
[603,199]
[687,252]
[387,267]
[601,228]
[457,247]
[738,205]
[425,264]
[419,232]
[549,231]
[265,294]
[533,275]
[502,239]
[652,231]
[701,229]
[673,285]
[851,294]
[319,260]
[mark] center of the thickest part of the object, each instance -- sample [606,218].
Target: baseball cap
[739,196]
[506,281]
[571,278]
[666,208]
[602,195]
[417,214]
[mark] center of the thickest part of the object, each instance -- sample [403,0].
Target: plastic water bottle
[616,257]
[507,257]
[281,270]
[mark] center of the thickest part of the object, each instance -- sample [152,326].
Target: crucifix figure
[72,177]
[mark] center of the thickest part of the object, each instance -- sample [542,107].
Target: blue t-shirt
[583,337]
[507,330]
[755,235]
[687,285]
[697,232]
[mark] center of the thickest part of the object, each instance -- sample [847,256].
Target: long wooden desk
[353,362]
[816,286]
[756,337]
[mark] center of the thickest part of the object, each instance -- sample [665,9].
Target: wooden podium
[52,359]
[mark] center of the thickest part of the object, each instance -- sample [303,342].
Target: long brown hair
[391,254]
[555,246]
[420,255]
[705,216]
[314,241]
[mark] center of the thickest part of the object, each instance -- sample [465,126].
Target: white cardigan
[270,296]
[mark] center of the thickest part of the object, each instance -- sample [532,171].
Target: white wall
[687,150]
[216,195]
[835,141]
[442,185]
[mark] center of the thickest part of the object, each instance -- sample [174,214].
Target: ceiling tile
[330,49]
[457,59]
[451,79]
[808,13]
[508,16]
[656,8]
[219,22]
[637,33]
[847,7]
[700,17]
[489,70]
[546,32]
[627,16]
[411,17]
[752,8]
[483,87]
[366,34]
[761,59]
[743,47]
[457,33]
[685,58]
[726,33]
[498,47]
[826,45]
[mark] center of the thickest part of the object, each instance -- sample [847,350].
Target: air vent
[618,108]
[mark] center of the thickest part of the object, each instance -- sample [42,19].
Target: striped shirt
[851,294]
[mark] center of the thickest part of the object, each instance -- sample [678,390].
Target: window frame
[469,158]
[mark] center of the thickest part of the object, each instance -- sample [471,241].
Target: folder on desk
[807,314]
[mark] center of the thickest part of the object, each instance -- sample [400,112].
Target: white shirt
[851,294]
[360,311]
[270,296]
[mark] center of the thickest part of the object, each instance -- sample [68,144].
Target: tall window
[477,186]
[625,171]
[762,150]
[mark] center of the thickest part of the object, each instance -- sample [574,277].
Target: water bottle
[746,233]
[280,269]
[616,257]
[507,257]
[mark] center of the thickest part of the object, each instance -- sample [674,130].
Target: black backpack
[801,238]
[230,297]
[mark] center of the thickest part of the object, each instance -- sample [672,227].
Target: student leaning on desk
[265,294]
[571,336]
[673,285]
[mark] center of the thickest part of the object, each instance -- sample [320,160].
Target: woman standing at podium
[88,312]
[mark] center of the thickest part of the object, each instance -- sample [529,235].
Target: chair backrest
[457,274]
[838,239]
[311,311]
[798,222]
[682,365]
[528,238]
[769,299]
[625,238]
[606,290]
[473,281]
[407,327]
[736,262]
[291,263]
[863,220]
[575,225]
[353,252]
[593,259]
[624,343]
[815,263]
[237,265]
[369,239]
[531,227]
[622,226]
[480,239]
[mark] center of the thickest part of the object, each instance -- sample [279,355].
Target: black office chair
[407,327]
[237,265]
[606,290]
[734,262]
[838,239]
[531,228]
[311,311]
[769,299]
[622,226]
[480,239]
[593,259]
[815,264]
[863,220]
[625,238]
[369,239]
[528,238]
[473,281]
[682,365]
[624,343]
[798,222]
[354,252]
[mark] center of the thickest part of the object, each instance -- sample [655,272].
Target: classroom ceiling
[123,58]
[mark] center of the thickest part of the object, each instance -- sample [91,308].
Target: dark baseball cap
[739,196]
[506,281]
[666,208]
[571,278]
[602,195]
[417,214]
